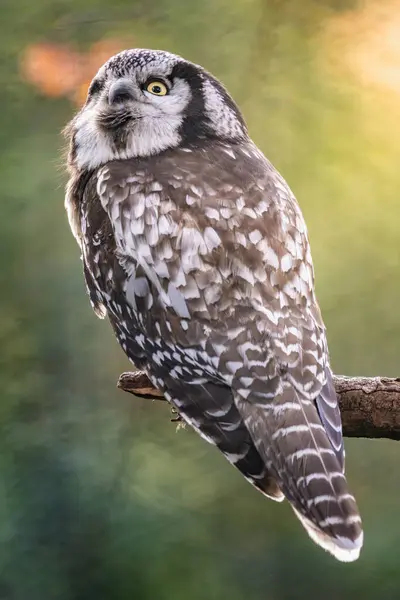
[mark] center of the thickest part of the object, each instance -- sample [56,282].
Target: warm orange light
[368,42]
[57,70]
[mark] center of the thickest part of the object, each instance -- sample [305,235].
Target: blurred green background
[100,497]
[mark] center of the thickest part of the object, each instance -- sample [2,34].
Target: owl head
[143,102]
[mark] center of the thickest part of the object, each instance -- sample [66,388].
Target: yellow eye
[157,88]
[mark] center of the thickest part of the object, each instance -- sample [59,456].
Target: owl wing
[105,271]
[223,247]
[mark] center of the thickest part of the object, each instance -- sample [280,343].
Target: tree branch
[370,406]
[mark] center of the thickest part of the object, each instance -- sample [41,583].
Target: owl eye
[157,88]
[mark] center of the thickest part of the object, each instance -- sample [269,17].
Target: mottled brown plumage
[195,248]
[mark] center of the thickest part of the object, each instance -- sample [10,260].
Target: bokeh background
[100,497]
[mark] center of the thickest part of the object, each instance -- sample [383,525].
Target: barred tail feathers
[288,433]
[343,549]
[211,411]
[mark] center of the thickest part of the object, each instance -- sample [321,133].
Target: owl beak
[120,92]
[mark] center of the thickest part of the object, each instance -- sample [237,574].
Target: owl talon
[177,417]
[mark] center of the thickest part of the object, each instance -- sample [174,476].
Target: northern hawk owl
[195,248]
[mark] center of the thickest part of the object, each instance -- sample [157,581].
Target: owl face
[142,102]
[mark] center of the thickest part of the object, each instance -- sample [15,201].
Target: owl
[196,250]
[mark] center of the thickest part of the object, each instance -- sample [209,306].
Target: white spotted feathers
[196,249]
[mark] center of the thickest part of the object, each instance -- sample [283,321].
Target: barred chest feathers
[147,232]
[194,248]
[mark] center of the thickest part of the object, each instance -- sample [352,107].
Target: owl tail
[290,437]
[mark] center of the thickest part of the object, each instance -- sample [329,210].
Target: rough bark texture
[370,406]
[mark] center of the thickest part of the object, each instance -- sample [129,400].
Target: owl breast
[165,245]
[133,276]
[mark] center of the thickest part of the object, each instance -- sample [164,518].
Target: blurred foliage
[100,498]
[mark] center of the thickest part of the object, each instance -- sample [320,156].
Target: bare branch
[370,406]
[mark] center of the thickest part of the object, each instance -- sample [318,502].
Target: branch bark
[370,406]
